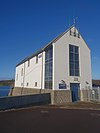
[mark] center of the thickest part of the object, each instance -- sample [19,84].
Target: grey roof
[46,46]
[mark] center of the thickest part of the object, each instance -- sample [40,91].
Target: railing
[95,94]
[91,94]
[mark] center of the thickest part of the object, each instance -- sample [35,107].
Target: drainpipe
[23,80]
[41,74]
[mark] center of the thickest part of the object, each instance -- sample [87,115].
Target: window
[27,83]
[37,59]
[73,60]
[35,84]
[22,72]
[28,63]
[74,33]
[48,68]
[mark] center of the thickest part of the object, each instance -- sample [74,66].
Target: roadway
[46,119]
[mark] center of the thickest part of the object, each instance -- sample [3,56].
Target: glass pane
[76,49]
[76,65]
[71,72]
[76,57]
[71,65]
[71,48]
[50,84]
[76,72]
[50,53]
[48,68]
[46,55]
[71,57]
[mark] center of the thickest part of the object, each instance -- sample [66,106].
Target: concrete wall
[57,96]
[24,101]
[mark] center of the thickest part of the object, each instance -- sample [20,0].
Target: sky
[27,25]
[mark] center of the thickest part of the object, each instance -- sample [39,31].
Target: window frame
[48,67]
[74,52]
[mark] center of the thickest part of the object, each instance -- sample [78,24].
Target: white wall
[33,73]
[18,77]
[61,60]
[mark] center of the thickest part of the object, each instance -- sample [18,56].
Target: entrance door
[74,91]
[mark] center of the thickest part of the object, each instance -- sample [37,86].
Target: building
[62,68]
[96,83]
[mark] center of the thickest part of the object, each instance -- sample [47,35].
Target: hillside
[7,82]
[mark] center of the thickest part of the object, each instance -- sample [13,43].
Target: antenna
[74,20]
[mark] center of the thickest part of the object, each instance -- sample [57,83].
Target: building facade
[62,68]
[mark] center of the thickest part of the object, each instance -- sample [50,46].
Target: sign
[62,86]
[75,79]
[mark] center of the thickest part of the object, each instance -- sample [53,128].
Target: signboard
[75,79]
[62,86]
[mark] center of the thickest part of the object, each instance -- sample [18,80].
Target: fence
[91,94]
[95,94]
[23,101]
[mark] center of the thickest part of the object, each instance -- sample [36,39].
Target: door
[74,91]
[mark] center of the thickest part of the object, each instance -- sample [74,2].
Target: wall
[57,96]
[33,73]
[61,62]
[24,101]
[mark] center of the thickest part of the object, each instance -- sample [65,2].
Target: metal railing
[95,94]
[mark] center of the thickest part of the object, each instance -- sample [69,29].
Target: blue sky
[26,25]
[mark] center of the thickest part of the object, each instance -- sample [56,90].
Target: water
[4,90]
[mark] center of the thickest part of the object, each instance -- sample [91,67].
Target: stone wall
[62,96]
[57,96]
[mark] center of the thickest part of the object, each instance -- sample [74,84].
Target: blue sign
[62,86]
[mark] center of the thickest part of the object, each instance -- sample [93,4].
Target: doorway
[74,91]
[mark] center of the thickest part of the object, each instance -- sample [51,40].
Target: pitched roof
[46,46]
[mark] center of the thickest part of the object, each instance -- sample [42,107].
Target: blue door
[74,91]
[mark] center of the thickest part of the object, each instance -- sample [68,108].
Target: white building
[62,67]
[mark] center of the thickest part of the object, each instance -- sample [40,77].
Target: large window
[73,60]
[48,68]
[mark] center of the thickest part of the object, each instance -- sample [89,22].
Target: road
[50,120]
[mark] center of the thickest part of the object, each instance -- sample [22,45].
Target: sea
[4,90]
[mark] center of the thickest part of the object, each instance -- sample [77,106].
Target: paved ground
[82,105]
[50,119]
